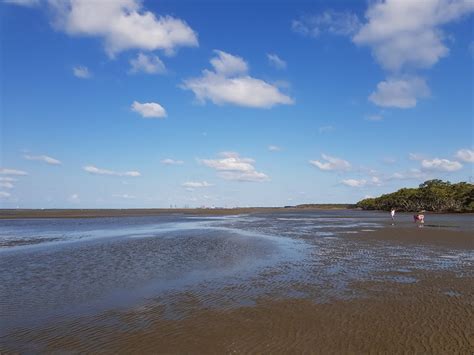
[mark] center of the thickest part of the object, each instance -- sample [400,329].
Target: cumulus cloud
[227,64]
[274,148]
[276,61]
[42,158]
[405,36]
[4,194]
[6,171]
[149,109]
[354,182]
[74,198]
[6,182]
[6,185]
[466,155]
[411,174]
[400,92]
[81,72]
[437,164]
[416,156]
[149,64]
[196,184]
[229,83]
[331,163]
[169,161]
[98,171]
[231,166]
[330,21]
[124,196]
[122,25]
[373,181]
[407,33]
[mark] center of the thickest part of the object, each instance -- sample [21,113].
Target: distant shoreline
[143,212]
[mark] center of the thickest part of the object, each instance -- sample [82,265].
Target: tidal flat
[262,281]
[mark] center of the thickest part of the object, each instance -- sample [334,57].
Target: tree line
[432,195]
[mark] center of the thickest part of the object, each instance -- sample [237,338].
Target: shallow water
[57,269]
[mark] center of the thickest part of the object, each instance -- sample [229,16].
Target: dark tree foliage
[432,195]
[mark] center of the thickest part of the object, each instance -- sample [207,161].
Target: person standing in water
[392,214]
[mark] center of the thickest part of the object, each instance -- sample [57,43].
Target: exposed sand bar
[424,317]
[415,299]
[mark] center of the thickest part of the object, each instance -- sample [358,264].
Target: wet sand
[403,306]
[131,212]
[427,235]
[427,317]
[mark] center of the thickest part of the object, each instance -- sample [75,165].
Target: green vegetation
[432,195]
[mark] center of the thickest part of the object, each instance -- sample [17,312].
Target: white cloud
[416,156]
[74,198]
[81,72]
[408,175]
[407,33]
[400,93]
[354,182]
[437,164]
[150,64]
[6,185]
[169,161]
[229,83]
[374,181]
[331,163]
[124,196]
[43,158]
[6,182]
[233,167]
[98,171]
[330,21]
[274,148]
[4,194]
[405,36]
[5,171]
[196,184]
[276,61]
[27,3]
[227,64]
[149,109]
[122,25]
[466,155]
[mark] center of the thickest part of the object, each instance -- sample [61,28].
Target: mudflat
[313,281]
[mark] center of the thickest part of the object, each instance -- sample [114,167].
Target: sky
[129,103]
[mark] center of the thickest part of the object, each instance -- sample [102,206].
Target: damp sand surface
[312,281]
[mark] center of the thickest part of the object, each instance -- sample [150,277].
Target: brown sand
[432,316]
[139,212]
[423,236]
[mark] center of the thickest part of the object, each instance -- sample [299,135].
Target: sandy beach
[357,287]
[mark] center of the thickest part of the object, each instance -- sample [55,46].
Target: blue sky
[231,103]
